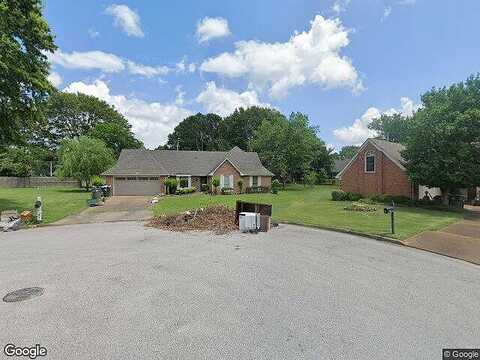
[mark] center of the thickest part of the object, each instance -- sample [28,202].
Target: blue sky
[341,62]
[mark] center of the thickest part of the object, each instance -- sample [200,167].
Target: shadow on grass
[72,191]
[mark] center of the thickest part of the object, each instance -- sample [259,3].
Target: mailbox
[391,210]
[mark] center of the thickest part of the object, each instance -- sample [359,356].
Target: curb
[350,232]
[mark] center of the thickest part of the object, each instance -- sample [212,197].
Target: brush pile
[217,218]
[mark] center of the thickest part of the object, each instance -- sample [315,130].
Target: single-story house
[143,172]
[378,168]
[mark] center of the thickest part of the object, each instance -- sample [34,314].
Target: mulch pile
[218,218]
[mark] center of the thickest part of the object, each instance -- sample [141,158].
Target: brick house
[143,172]
[377,168]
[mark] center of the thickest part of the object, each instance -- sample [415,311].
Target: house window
[227,181]
[255,181]
[184,182]
[369,163]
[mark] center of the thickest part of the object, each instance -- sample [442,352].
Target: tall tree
[443,148]
[24,39]
[239,128]
[116,136]
[198,132]
[347,152]
[394,127]
[68,116]
[83,158]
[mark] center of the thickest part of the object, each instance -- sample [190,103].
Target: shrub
[205,188]
[275,186]
[353,196]
[240,185]
[215,183]
[171,185]
[311,178]
[186,190]
[228,191]
[339,195]
[397,199]
[97,180]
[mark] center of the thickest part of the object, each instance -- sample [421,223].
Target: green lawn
[313,206]
[57,202]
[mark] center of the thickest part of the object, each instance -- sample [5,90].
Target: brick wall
[388,178]
[227,169]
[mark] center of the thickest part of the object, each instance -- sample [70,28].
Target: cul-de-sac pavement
[125,291]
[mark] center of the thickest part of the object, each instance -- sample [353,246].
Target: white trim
[368,141]
[183,176]
[213,171]
[367,155]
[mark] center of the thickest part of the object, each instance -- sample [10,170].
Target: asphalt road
[122,291]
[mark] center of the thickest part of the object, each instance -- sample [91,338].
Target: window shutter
[259,181]
[221,181]
[251,181]
[232,185]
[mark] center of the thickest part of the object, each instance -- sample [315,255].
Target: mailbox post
[391,211]
[39,210]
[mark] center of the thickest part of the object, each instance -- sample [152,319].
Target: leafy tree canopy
[24,39]
[72,115]
[116,136]
[83,158]
[238,128]
[443,148]
[347,152]
[198,132]
[394,127]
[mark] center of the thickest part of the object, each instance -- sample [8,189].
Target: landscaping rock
[218,218]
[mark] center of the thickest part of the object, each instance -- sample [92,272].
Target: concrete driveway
[116,208]
[123,291]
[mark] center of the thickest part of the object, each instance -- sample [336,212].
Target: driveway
[116,208]
[460,240]
[124,291]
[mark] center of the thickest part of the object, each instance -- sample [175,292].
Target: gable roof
[339,164]
[392,150]
[195,163]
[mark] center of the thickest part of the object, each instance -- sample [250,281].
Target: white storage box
[249,221]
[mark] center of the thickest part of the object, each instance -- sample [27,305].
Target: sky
[341,62]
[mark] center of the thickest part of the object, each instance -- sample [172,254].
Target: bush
[97,181]
[339,195]
[275,186]
[215,183]
[240,185]
[311,178]
[205,188]
[171,185]
[228,191]
[353,196]
[397,199]
[186,190]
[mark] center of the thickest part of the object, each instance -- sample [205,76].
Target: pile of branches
[217,218]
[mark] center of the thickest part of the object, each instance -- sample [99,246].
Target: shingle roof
[392,150]
[339,164]
[195,163]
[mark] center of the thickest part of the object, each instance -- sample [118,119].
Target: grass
[57,202]
[314,207]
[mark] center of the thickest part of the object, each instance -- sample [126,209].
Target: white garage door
[124,186]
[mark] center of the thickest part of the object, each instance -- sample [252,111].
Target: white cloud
[210,28]
[180,98]
[100,60]
[224,101]
[151,122]
[126,18]
[93,33]
[147,71]
[358,132]
[340,6]
[386,13]
[88,60]
[55,79]
[183,67]
[308,57]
